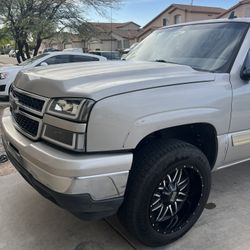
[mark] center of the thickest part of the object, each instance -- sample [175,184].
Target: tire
[153,209]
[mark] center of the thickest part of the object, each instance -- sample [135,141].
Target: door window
[78,58]
[58,59]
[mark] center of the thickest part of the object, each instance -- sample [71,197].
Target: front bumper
[90,184]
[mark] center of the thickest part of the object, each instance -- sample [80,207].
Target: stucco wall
[186,16]
[104,45]
[241,11]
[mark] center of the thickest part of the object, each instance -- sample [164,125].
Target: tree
[5,38]
[32,21]
[85,31]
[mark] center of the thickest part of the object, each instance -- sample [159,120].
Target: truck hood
[97,80]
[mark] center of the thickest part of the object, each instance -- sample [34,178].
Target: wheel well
[201,135]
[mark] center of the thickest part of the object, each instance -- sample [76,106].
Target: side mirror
[245,71]
[43,64]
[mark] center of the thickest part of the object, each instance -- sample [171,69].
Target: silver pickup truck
[138,137]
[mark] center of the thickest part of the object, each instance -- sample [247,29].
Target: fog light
[64,138]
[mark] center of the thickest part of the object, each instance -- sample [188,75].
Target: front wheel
[168,188]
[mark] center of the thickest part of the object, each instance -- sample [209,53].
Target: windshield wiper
[163,61]
[203,70]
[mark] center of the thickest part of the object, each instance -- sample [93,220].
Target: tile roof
[105,29]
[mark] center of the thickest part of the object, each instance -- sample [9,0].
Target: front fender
[156,122]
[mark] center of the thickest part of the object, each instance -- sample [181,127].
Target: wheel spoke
[184,181]
[156,202]
[176,174]
[157,207]
[179,178]
[159,215]
[179,200]
[181,193]
[176,207]
[164,215]
[172,222]
[171,210]
[169,178]
[164,183]
[184,186]
[157,195]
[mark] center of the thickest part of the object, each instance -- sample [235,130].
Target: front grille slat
[29,101]
[26,124]
[27,112]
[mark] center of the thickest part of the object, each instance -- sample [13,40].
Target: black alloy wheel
[167,190]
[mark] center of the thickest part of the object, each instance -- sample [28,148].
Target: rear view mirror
[43,64]
[245,71]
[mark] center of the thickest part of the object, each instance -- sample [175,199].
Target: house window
[126,44]
[119,44]
[164,22]
[177,19]
[247,14]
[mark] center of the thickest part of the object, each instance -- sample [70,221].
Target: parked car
[51,50]
[110,55]
[139,137]
[79,50]
[126,51]
[9,73]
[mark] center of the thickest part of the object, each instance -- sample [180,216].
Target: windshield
[33,59]
[206,47]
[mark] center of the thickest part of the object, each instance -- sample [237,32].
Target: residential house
[114,36]
[103,36]
[62,40]
[242,9]
[179,13]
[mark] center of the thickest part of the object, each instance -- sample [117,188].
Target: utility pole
[111,29]
[191,7]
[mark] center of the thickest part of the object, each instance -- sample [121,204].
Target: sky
[143,11]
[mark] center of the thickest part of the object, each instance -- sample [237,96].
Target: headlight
[71,108]
[68,134]
[3,76]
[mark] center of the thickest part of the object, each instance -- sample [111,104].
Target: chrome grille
[27,111]
[28,101]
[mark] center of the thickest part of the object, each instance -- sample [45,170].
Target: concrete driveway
[28,221]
